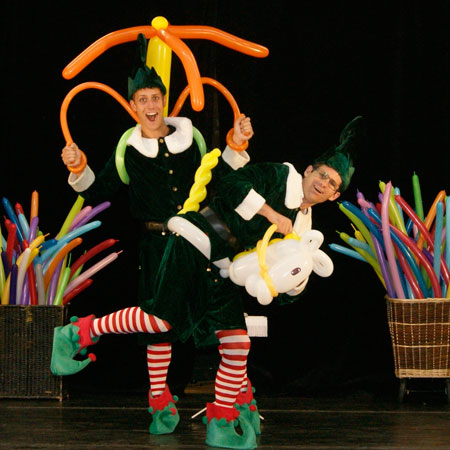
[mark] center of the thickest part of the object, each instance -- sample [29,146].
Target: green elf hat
[143,76]
[340,157]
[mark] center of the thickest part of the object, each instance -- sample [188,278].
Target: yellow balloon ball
[160,23]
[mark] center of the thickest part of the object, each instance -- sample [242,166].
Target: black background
[328,62]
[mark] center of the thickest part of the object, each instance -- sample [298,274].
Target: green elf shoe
[220,428]
[246,404]
[164,413]
[68,341]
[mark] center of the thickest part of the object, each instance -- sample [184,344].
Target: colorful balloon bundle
[36,271]
[409,252]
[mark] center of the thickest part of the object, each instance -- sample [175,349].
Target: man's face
[319,185]
[148,104]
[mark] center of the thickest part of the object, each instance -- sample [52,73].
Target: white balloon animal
[289,263]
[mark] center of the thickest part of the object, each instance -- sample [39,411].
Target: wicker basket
[420,333]
[26,339]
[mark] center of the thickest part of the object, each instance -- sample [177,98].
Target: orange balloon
[220,37]
[220,87]
[101,45]
[81,87]
[58,258]
[430,217]
[34,205]
[190,67]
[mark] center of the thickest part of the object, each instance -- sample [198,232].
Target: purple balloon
[99,208]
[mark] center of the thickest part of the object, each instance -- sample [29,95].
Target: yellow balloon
[2,276]
[159,56]
[202,177]
[72,213]
[5,293]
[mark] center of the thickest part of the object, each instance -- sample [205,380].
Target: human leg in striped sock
[74,338]
[234,348]
[165,416]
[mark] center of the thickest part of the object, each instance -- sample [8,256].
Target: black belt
[213,219]
[155,226]
[219,226]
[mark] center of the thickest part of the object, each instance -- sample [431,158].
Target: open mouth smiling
[151,117]
[318,189]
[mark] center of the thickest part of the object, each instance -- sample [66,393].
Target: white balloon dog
[282,266]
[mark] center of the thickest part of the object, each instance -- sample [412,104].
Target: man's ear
[133,105]
[308,170]
[334,196]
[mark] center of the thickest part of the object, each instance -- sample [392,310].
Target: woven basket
[420,333]
[26,339]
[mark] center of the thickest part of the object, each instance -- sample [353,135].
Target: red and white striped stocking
[234,348]
[158,360]
[127,321]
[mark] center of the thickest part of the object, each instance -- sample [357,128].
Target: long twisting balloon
[81,87]
[202,177]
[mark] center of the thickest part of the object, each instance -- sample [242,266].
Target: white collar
[177,142]
[294,188]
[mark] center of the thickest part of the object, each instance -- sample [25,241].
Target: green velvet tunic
[157,190]
[190,294]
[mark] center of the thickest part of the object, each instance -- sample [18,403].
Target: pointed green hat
[341,157]
[143,76]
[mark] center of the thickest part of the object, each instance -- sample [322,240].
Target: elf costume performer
[189,297]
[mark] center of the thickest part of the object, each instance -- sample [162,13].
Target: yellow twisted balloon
[292,235]
[261,248]
[202,177]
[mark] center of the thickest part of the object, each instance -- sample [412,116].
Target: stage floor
[120,421]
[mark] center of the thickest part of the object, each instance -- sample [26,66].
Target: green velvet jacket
[190,293]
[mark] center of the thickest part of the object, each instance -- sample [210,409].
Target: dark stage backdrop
[328,62]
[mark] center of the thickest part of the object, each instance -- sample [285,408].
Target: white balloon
[289,262]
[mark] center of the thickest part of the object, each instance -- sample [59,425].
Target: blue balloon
[45,257]
[366,221]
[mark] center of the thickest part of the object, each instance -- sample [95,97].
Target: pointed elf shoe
[68,341]
[221,432]
[164,413]
[247,407]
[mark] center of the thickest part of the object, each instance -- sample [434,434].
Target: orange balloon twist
[58,258]
[65,105]
[227,94]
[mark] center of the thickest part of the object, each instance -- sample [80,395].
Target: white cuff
[81,183]
[251,204]
[235,159]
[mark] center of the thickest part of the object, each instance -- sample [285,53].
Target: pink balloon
[88,273]
[389,248]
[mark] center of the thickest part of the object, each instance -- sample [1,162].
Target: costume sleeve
[229,161]
[99,188]
[247,189]
[235,160]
